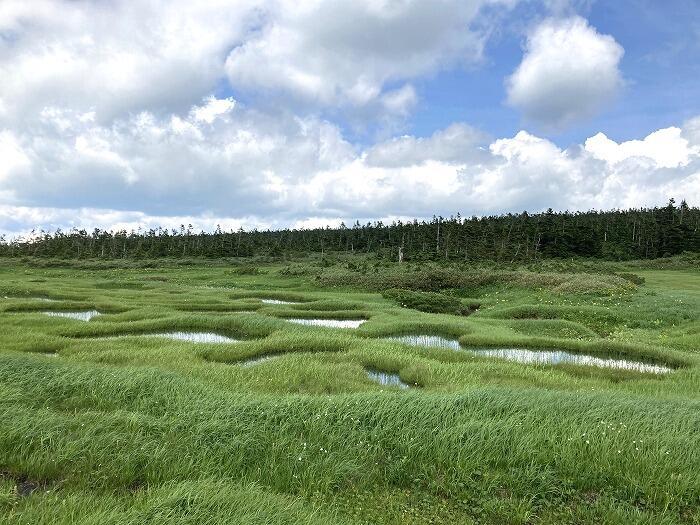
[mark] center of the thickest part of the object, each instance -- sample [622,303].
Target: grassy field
[106,422]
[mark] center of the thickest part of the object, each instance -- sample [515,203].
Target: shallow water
[386,378]
[79,316]
[44,299]
[436,341]
[331,323]
[537,357]
[278,301]
[258,359]
[195,337]
[555,357]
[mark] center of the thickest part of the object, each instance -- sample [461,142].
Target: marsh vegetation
[350,390]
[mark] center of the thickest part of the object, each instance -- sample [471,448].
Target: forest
[644,233]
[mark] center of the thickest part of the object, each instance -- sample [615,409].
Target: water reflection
[436,341]
[386,378]
[195,337]
[555,357]
[331,323]
[537,357]
[79,316]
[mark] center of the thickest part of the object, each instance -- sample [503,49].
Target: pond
[194,337]
[436,341]
[43,299]
[556,357]
[330,323]
[79,316]
[386,378]
[537,357]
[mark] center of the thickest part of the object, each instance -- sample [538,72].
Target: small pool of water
[331,323]
[79,316]
[537,357]
[385,378]
[278,301]
[195,337]
[436,341]
[43,299]
[258,359]
[555,357]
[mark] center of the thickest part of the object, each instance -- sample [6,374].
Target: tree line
[644,233]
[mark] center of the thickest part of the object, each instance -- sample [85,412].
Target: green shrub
[430,278]
[246,269]
[431,302]
[632,277]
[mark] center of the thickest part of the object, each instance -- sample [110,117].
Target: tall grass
[100,423]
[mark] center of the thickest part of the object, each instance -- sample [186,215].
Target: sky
[278,113]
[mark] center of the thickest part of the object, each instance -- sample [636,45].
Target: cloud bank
[222,160]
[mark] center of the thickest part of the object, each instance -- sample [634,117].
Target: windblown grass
[101,425]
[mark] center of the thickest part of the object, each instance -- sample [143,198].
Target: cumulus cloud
[344,53]
[219,162]
[214,158]
[691,132]
[14,161]
[120,57]
[400,101]
[568,72]
[455,144]
[114,57]
[665,148]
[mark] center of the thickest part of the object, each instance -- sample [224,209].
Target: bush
[431,302]
[631,277]
[247,269]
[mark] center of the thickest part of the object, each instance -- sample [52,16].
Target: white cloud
[344,53]
[568,72]
[400,101]
[665,148]
[691,132]
[249,169]
[455,144]
[215,158]
[116,57]
[212,109]
[13,160]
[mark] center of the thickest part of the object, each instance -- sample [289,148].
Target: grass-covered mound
[436,278]
[430,302]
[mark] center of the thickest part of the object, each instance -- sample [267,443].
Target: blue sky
[270,113]
[661,68]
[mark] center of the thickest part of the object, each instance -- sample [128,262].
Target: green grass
[102,424]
